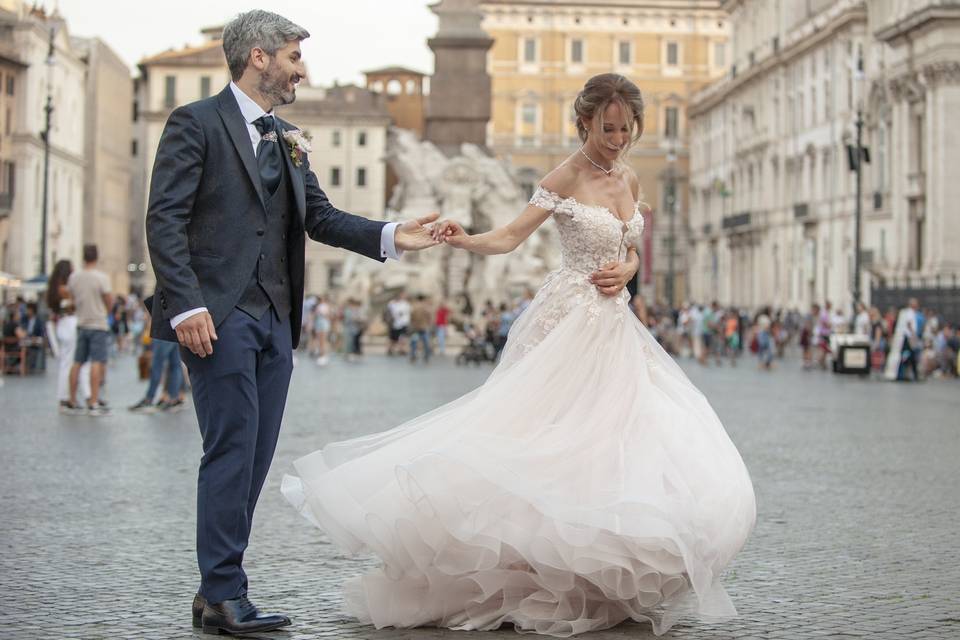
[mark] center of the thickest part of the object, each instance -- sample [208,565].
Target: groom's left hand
[414,235]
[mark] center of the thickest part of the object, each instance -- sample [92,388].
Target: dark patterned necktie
[268,154]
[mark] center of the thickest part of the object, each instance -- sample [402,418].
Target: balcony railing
[737,220]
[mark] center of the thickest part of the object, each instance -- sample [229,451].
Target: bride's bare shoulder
[561,180]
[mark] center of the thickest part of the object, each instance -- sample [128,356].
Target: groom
[231,198]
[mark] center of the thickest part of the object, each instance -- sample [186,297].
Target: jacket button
[259,232]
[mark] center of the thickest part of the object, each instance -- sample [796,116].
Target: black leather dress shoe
[199,602]
[238,616]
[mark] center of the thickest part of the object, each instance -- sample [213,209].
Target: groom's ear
[259,59]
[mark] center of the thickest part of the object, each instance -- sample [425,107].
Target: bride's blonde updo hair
[602,90]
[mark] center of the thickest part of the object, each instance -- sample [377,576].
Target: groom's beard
[277,86]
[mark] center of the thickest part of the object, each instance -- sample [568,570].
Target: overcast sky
[346,36]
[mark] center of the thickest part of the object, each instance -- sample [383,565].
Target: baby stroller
[477,350]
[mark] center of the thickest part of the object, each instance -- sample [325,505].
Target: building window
[362,139]
[335,138]
[624,54]
[6,178]
[205,87]
[170,92]
[361,177]
[576,51]
[719,54]
[394,87]
[10,84]
[133,148]
[801,112]
[411,88]
[671,126]
[136,110]
[881,163]
[673,54]
[334,275]
[8,123]
[334,176]
[827,99]
[917,150]
[529,50]
[528,114]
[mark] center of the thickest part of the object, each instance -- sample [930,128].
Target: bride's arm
[500,240]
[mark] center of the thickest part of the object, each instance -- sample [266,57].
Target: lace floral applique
[648,354]
[545,199]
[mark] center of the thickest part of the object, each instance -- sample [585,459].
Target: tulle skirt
[585,483]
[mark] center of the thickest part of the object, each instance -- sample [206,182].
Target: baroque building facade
[772,194]
[31,73]
[108,205]
[545,51]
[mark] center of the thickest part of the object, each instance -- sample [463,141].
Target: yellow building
[544,52]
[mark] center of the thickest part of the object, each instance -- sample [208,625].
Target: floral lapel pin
[299,144]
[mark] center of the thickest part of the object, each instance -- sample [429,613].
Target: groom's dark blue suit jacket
[206,215]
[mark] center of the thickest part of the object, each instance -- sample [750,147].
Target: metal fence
[940,293]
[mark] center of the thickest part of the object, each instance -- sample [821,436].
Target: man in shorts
[90,289]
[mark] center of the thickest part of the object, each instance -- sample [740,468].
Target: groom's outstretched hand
[198,334]
[414,235]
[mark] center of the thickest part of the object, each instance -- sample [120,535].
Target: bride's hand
[451,233]
[612,278]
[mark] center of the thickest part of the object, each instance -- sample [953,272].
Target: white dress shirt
[250,111]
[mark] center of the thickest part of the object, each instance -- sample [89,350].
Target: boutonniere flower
[299,144]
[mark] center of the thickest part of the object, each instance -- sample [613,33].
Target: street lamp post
[48,109]
[858,213]
[859,155]
[671,200]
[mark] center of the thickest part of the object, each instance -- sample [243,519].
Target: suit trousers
[239,393]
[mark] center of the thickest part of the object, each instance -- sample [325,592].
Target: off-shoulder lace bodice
[590,235]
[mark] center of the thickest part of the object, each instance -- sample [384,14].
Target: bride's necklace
[590,160]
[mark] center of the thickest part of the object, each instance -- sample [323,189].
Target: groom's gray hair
[257,28]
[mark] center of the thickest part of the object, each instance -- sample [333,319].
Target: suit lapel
[296,175]
[237,128]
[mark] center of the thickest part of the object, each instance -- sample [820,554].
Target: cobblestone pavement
[856,480]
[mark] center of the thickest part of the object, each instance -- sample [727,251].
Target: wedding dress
[586,482]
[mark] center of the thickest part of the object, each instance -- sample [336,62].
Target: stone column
[460,90]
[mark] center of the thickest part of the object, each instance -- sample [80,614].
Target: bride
[586,482]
